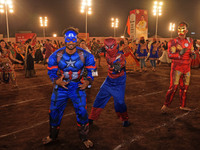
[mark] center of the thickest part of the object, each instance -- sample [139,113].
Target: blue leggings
[142,63]
[115,88]
[59,100]
[153,63]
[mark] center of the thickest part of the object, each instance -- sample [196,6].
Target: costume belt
[74,80]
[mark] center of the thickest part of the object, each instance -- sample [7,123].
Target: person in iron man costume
[180,50]
[114,85]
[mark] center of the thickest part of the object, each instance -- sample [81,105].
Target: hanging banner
[141,24]
[22,37]
[128,26]
[138,24]
[132,24]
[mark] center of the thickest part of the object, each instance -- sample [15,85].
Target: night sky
[65,13]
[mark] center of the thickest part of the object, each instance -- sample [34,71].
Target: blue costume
[153,56]
[72,67]
[141,54]
[114,85]
[153,53]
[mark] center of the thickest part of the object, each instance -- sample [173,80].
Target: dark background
[64,13]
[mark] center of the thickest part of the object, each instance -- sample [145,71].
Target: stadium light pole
[114,24]
[171,28]
[86,7]
[43,23]
[5,6]
[157,11]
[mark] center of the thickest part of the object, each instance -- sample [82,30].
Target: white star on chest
[70,63]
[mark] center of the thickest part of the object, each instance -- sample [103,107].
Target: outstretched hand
[62,83]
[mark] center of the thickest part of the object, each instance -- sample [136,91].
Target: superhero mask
[70,39]
[70,36]
[111,46]
[182,29]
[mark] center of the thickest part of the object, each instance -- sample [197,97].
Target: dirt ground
[24,115]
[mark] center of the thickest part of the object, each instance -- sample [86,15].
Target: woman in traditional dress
[7,72]
[153,55]
[131,62]
[142,54]
[164,58]
[38,53]
[19,55]
[195,62]
[29,61]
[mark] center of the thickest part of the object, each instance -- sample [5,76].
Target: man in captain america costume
[70,62]
[180,50]
[114,85]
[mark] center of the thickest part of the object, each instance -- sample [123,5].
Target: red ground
[24,115]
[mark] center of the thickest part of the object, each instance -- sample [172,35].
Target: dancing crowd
[137,54]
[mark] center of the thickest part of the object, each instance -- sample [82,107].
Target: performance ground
[24,115]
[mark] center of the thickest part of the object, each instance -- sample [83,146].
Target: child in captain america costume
[180,50]
[114,85]
[70,62]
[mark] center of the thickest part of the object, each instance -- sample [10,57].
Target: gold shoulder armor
[192,49]
[173,49]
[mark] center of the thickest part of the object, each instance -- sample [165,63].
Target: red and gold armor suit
[180,68]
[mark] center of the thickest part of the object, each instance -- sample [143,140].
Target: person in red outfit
[180,50]
[114,85]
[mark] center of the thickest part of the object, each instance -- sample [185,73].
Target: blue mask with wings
[70,36]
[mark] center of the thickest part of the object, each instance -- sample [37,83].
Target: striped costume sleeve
[90,65]
[52,67]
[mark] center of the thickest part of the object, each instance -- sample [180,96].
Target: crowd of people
[136,53]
